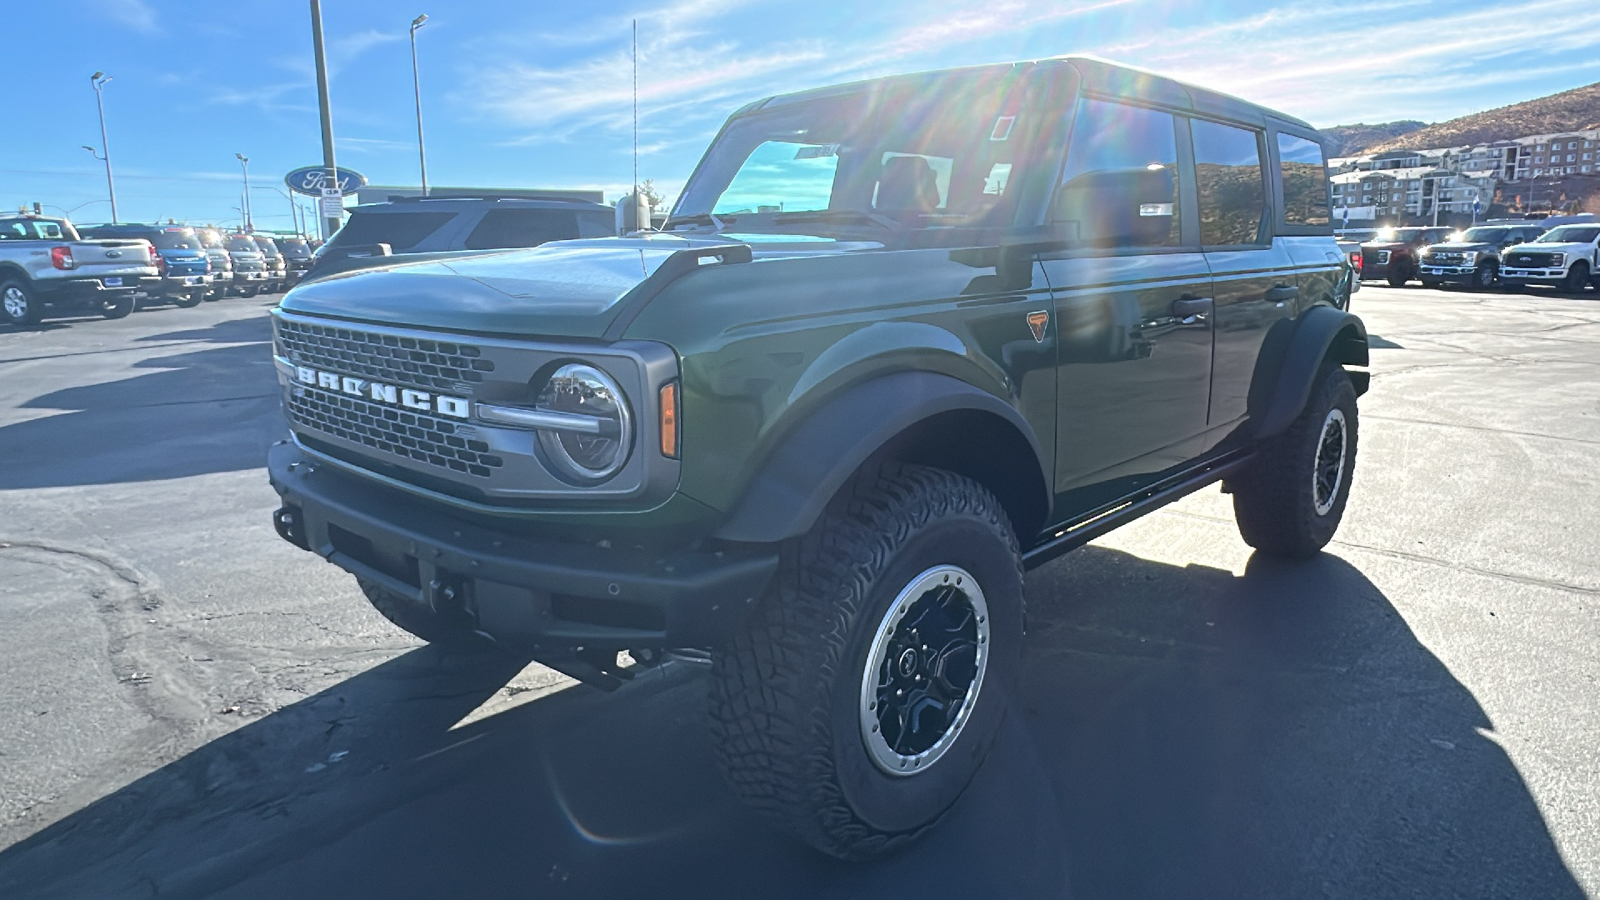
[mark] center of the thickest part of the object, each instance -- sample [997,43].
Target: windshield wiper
[823,215]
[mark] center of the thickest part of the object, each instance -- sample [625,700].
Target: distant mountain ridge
[1573,110]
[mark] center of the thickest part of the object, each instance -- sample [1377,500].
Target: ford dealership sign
[311,180]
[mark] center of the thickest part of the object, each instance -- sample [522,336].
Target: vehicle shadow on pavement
[1183,732]
[200,412]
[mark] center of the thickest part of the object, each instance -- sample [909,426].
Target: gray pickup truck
[46,268]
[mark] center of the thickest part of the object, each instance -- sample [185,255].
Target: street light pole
[99,80]
[416,87]
[330,223]
[244,163]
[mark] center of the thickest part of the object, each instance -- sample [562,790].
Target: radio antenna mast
[636,115]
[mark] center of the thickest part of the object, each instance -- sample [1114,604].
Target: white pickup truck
[46,267]
[1567,256]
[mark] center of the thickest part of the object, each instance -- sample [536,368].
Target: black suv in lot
[426,225]
[1393,256]
[1473,259]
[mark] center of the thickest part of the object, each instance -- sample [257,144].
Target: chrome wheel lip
[1333,424]
[16,303]
[884,757]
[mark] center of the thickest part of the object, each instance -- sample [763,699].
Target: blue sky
[538,94]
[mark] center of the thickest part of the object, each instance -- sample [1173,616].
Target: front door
[1133,302]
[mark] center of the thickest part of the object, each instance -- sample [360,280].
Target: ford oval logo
[113,254]
[310,180]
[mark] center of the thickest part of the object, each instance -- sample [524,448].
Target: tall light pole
[416,87]
[99,80]
[330,222]
[244,163]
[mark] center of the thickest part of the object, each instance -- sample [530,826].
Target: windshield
[400,230]
[1570,234]
[173,239]
[294,248]
[209,238]
[242,243]
[265,245]
[1485,235]
[32,229]
[898,154]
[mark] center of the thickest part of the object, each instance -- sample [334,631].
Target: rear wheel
[18,305]
[250,291]
[865,691]
[189,300]
[1577,280]
[1290,501]
[119,307]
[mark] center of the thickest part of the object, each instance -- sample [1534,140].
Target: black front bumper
[527,593]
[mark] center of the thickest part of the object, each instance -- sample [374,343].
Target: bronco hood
[561,289]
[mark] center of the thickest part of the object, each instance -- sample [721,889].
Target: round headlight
[599,448]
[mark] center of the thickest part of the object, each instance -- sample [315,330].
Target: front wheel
[1289,502]
[1485,276]
[18,305]
[865,690]
[118,308]
[1398,277]
[1577,280]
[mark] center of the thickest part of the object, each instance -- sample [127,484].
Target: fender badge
[1037,322]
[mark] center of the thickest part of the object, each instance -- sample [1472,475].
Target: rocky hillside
[1573,110]
[1352,140]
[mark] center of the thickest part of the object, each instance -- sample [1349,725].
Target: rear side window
[1120,185]
[1233,193]
[502,228]
[400,230]
[597,224]
[1305,181]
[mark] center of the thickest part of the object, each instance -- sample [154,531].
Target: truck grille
[421,437]
[1446,259]
[436,365]
[1530,260]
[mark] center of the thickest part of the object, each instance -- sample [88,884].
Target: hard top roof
[1096,76]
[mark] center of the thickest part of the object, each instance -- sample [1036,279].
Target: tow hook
[291,527]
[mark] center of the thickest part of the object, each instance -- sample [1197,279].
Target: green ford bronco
[899,341]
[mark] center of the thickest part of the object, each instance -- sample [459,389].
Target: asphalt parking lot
[195,708]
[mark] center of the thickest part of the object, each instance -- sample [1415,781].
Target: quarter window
[1120,184]
[1301,164]
[1233,195]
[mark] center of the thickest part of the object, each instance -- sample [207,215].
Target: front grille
[1374,257]
[1446,259]
[1532,260]
[436,365]
[421,437]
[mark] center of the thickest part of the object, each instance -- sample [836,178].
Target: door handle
[1191,309]
[1280,293]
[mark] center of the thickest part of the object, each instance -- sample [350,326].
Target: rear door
[1255,278]
[1132,302]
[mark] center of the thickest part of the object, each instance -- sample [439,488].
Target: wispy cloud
[132,14]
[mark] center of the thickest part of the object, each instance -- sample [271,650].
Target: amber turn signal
[669,420]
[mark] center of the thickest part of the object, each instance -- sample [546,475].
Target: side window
[597,225]
[1302,167]
[1120,186]
[1233,194]
[501,228]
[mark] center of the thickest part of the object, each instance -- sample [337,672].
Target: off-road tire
[1577,280]
[1484,278]
[787,694]
[15,295]
[189,300]
[448,633]
[120,307]
[1275,500]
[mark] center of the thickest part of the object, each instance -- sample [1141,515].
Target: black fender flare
[1292,355]
[818,455]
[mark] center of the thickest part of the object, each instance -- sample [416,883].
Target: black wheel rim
[1327,474]
[924,670]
